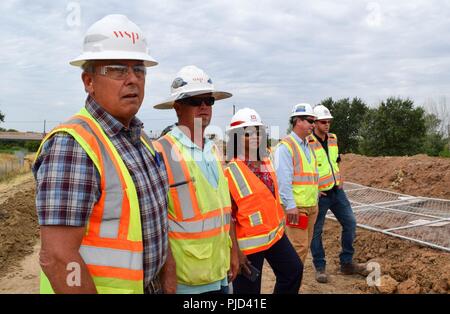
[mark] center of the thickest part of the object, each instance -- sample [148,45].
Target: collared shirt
[207,161]
[68,184]
[284,169]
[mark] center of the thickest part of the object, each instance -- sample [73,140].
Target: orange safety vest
[260,216]
[112,246]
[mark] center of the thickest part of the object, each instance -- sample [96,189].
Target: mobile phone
[254,273]
[302,222]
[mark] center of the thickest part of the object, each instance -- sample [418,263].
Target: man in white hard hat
[332,196]
[297,175]
[101,192]
[199,199]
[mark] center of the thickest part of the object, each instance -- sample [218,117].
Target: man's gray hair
[292,121]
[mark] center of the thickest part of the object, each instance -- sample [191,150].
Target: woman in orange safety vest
[258,217]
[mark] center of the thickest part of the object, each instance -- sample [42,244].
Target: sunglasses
[324,121]
[198,101]
[310,121]
[252,132]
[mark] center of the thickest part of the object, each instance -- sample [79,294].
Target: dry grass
[10,166]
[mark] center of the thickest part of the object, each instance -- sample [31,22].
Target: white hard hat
[191,81]
[303,109]
[114,37]
[245,117]
[322,112]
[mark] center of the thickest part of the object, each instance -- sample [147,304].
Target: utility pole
[45,121]
[234,109]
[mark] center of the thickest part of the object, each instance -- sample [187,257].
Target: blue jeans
[285,263]
[337,202]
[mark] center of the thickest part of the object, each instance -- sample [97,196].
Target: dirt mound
[418,175]
[413,266]
[18,226]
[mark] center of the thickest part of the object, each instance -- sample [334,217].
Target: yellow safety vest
[329,173]
[305,179]
[199,217]
[112,246]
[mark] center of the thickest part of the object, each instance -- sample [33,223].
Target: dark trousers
[337,202]
[285,263]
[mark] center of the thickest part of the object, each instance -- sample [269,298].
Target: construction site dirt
[406,267]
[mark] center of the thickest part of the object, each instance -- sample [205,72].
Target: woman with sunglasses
[258,216]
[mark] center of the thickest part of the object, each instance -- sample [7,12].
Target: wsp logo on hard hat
[133,36]
[300,109]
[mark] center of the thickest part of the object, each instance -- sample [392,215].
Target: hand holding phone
[250,272]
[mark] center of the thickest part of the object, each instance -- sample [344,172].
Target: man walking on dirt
[331,196]
[101,193]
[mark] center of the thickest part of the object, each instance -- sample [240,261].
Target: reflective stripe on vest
[243,187]
[199,226]
[109,227]
[182,188]
[249,243]
[110,257]
[300,177]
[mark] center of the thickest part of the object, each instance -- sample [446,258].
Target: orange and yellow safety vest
[112,246]
[260,217]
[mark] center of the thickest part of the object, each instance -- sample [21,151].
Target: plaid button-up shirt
[68,184]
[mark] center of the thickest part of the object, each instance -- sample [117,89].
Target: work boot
[321,276]
[354,268]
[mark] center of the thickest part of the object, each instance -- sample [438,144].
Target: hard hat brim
[168,103]
[243,125]
[116,55]
[324,118]
[297,114]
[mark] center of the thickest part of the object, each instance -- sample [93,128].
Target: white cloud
[269,54]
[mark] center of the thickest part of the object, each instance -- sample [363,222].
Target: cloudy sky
[269,54]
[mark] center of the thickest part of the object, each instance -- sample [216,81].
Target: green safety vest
[305,177]
[329,174]
[199,217]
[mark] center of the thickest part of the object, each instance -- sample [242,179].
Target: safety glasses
[324,121]
[120,72]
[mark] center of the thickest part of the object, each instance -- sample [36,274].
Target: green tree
[2,119]
[347,118]
[395,128]
[434,142]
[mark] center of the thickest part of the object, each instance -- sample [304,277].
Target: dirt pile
[416,268]
[418,175]
[18,225]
